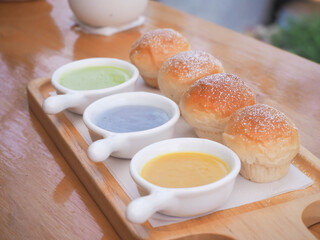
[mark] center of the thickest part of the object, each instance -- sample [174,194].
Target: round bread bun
[150,51]
[210,101]
[182,69]
[265,140]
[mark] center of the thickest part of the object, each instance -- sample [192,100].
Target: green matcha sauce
[92,78]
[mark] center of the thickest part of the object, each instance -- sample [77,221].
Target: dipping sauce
[131,118]
[184,169]
[92,78]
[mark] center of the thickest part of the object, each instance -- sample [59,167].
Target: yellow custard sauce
[184,169]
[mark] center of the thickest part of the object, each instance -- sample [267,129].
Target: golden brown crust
[265,140]
[260,122]
[150,51]
[209,102]
[219,94]
[182,69]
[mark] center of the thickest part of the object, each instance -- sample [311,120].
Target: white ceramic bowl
[103,13]
[77,100]
[180,202]
[125,145]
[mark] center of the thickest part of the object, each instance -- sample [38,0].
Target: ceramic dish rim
[195,190]
[100,61]
[105,133]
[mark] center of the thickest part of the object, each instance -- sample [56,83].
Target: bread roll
[210,101]
[150,51]
[182,69]
[265,140]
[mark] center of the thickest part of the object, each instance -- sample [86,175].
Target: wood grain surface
[40,196]
[291,208]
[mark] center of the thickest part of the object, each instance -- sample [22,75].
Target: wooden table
[40,196]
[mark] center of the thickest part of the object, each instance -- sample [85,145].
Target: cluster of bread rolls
[218,105]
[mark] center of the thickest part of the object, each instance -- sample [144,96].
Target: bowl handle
[58,103]
[100,150]
[141,209]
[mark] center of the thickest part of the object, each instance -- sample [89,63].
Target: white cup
[107,13]
[77,100]
[125,145]
[180,202]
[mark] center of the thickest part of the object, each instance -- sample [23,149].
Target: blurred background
[293,25]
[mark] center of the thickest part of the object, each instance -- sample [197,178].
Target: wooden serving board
[286,216]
